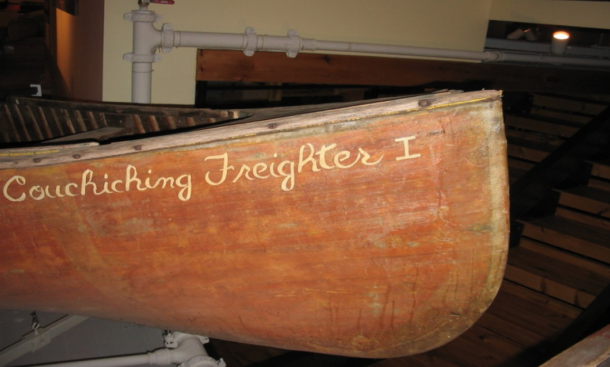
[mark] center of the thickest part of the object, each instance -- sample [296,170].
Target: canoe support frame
[184,350]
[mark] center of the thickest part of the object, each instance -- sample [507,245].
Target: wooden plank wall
[359,70]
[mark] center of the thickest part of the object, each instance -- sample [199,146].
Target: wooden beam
[560,166]
[589,322]
[592,351]
[360,70]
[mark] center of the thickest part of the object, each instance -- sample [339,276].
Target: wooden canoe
[375,230]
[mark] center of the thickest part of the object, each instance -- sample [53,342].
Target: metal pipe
[544,48]
[187,348]
[141,359]
[227,41]
[218,41]
[147,39]
[233,41]
[400,50]
[550,59]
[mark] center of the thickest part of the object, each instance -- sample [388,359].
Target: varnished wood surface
[214,65]
[371,231]
[592,352]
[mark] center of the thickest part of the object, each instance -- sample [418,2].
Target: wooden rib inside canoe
[375,230]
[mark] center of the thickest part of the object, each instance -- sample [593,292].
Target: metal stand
[38,338]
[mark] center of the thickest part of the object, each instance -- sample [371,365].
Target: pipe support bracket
[251,40]
[141,58]
[295,44]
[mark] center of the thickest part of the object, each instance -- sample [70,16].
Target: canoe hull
[371,234]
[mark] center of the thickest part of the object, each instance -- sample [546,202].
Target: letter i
[406,146]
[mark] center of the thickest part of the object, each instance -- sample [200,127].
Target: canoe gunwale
[27,157]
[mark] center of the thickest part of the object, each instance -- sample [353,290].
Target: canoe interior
[25,120]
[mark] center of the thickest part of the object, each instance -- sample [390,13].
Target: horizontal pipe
[544,48]
[399,50]
[551,59]
[218,41]
[232,41]
[189,347]
[147,39]
[141,359]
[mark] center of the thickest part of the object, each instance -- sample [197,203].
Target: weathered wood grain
[215,65]
[371,231]
[592,352]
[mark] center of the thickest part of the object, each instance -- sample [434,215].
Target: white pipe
[400,50]
[141,81]
[147,39]
[142,359]
[226,41]
[188,348]
[218,41]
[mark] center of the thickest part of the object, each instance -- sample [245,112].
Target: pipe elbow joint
[188,349]
[184,347]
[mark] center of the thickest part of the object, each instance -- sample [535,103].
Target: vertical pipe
[141,72]
[146,39]
[141,82]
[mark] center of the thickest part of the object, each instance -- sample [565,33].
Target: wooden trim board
[360,70]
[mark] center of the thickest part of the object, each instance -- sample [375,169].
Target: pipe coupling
[142,16]
[493,56]
[295,44]
[167,38]
[251,40]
